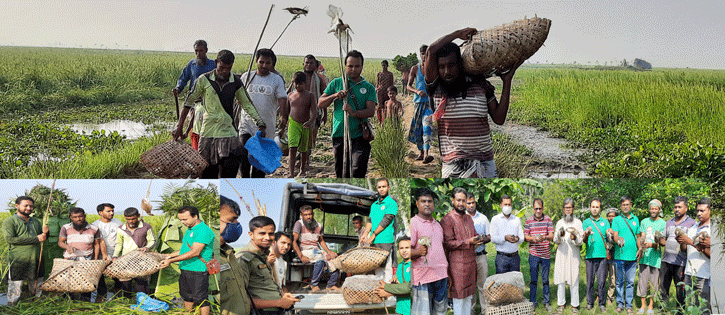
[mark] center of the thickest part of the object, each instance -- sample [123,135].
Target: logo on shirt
[260,89]
[382,208]
[363,90]
[192,234]
[601,224]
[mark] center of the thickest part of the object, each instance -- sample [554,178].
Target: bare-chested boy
[302,111]
[393,107]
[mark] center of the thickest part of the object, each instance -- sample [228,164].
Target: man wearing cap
[651,230]
[507,234]
[595,229]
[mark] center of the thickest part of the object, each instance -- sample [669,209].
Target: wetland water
[132,130]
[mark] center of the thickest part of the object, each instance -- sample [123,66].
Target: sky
[269,192]
[665,33]
[89,193]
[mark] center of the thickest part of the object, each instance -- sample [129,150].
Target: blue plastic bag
[149,304]
[264,153]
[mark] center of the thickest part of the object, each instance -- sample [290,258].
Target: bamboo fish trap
[174,159]
[74,276]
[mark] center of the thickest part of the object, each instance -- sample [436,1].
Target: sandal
[428,159]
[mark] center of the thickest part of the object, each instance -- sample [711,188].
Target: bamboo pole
[240,197]
[254,53]
[45,222]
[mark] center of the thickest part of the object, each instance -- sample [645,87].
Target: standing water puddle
[132,130]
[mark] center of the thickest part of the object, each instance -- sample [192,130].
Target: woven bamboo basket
[74,276]
[174,159]
[135,264]
[503,293]
[522,307]
[361,290]
[497,49]
[359,260]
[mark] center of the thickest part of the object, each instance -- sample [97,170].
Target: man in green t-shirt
[595,228]
[651,230]
[382,235]
[359,107]
[197,248]
[625,229]
[401,287]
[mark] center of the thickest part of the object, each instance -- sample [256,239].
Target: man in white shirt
[569,235]
[507,234]
[697,244]
[267,93]
[480,222]
[280,247]
[108,227]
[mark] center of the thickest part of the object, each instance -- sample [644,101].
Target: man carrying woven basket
[23,234]
[135,234]
[219,141]
[462,105]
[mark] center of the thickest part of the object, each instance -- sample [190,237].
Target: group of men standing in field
[228,109]
[107,239]
[615,244]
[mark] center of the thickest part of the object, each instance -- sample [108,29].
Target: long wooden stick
[240,197]
[254,53]
[45,222]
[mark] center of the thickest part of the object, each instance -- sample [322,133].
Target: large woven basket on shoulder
[359,260]
[521,307]
[497,49]
[74,276]
[174,159]
[135,264]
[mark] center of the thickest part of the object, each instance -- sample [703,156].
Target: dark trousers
[668,273]
[507,263]
[596,267]
[227,168]
[129,290]
[103,289]
[248,171]
[536,263]
[360,157]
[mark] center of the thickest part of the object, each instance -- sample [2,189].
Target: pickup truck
[335,205]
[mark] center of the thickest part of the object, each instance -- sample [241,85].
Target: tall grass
[390,148]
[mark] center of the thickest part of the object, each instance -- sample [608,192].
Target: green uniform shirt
[199,233]
[364,92]
[23,246]
[401,289]
[262,283]
[595,244]
[233,297]
[652,256]
[629,251]
[378,210]
[216,123]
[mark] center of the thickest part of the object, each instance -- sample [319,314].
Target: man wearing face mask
[507,234]
[135,234]
[568,234]
[233,298]
[460,241]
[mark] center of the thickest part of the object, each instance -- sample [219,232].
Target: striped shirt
[539,227]
[463,128]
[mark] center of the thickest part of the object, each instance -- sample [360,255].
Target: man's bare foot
[420,157]
[315,289]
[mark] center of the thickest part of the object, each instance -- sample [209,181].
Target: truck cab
[334,206]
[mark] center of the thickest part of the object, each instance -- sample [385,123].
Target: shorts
[648,277]
[298,136]
[194,287]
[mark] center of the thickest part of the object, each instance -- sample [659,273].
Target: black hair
[231,203]
[357,218]
[21,198]
[130,212]
[424,191]
[423,49]
[539,200]
[259,222]
[393,88]
[704,201]
[75,210]
[225,56]
[355,54]
[299,77]
[470,195]
[102,206]
[384,62]
[266,52]
[505,196]
[312,57]
[597,200]
[681,199]
[383,179]
[200,42]
[625,198]
[281,233]
[403,238]
[458,190]
[193,211]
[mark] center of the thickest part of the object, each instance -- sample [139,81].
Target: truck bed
[334,303]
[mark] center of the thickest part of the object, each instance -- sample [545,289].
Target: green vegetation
[390,148]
